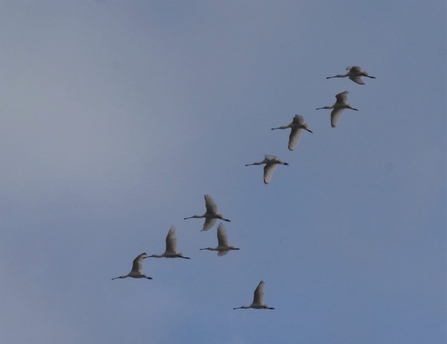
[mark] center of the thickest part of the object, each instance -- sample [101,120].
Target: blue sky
[117,117]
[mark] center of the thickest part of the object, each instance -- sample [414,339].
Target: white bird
[355,74]
[211,214]
[258,299]
[137,268]
[171,247]
[271,162]
[338,107]
[297,127]
[222,239]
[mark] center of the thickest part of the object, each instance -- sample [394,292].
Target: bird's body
[297,127]
[355,74]
[222,238]
[338,107]
[137,268]
[258,299]
[271,162]
[211,214]
[171,247]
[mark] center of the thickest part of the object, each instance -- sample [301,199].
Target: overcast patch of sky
[117,118]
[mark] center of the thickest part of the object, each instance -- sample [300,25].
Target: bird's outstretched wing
[171,240]
[298,119]
[137,265]
[357,79]
[259,293]
[222,236]
[335,116]
[294,137]
[270,157]
[354,69]
[211,206]
[342,98]
[268,172]
[209,223]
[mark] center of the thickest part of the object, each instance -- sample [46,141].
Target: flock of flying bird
[211,215]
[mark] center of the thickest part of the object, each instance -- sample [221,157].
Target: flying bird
[211,214]
[355,74]
[137,268]
[222,239]
[338,107]
[258,299]
[271,162]
[171,247]
[297,127]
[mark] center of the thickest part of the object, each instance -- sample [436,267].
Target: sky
[117,117]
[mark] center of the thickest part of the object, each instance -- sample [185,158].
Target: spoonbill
[171,246]
[222,239]
[210,215]
[355,74]
[271,162]
[137,268]
[338,107]
[258,299]
[297,127]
